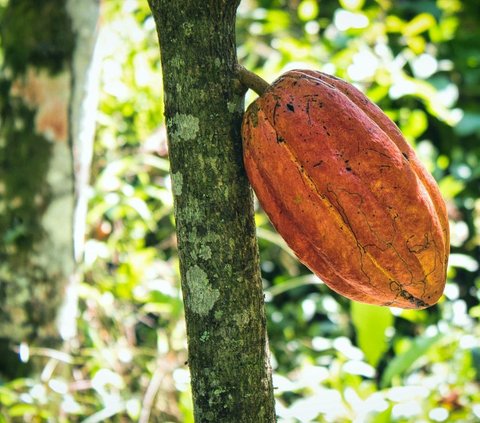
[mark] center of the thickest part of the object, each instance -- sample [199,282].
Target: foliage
[334,361]
[391,365]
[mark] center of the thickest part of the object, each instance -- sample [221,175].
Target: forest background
[334,360]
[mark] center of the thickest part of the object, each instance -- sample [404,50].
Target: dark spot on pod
[290,107]
[348,169]
[394,286]
[318,164]
[406,156]
[280,139]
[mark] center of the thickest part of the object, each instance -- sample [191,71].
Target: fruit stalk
[251,80]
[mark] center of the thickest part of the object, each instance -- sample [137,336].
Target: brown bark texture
[219,266]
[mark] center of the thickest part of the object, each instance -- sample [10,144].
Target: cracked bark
[221,283]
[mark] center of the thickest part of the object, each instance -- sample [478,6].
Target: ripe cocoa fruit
[346,191]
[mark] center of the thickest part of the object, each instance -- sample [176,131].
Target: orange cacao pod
[346,191]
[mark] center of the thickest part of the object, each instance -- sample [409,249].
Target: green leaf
[20,410]
[415,124]
[293,283]
[383,417]
[352,4]
[401,363]
[370,323]
[276,20]
[419,24]
[394,23]
[450,187]
[415,316]
[7,396]
[275,239]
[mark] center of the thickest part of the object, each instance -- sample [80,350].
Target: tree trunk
[221,283]
[47,56]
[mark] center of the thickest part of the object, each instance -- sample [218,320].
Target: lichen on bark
[221,283]
[202,295]
[37,196]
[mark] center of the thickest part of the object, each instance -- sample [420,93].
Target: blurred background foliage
[334,360]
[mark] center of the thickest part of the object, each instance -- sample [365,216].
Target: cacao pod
[346,191]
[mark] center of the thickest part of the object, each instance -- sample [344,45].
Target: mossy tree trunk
[221,283]
[45,143]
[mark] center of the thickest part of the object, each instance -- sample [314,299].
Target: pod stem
[251,80]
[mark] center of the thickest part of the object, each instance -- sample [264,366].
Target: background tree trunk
[45,150]
[221,283]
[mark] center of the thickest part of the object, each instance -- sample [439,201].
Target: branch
[251,80]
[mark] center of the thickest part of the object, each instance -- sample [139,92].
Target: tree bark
[219,266]
[47,54]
